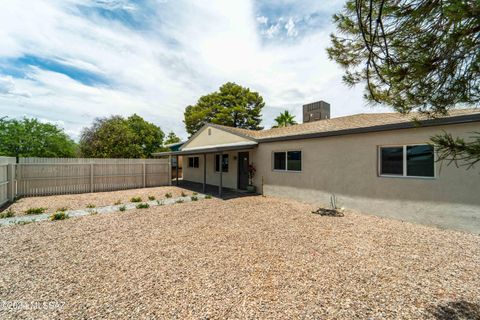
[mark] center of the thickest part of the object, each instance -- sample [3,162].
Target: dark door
[243,170]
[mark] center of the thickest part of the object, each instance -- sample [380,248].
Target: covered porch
[218,170]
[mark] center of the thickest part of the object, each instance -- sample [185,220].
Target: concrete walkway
[100,210]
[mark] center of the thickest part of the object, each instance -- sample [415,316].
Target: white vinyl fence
[7,180]
[50,176]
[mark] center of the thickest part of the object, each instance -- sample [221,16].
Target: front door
[243,170]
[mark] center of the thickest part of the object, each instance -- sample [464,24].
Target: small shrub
[59,216]
[122,208]
[136,199]
[35,210]
[7,214]
[151,198]
[194,198]
[168,195]
[143,206]
[90,206]
[208,196]
[179,201]
[21,223]
[195,193]
[184,194]
[117,202]
[93,212]
[62,209]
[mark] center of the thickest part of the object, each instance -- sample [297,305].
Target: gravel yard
[99,199]
[249,257]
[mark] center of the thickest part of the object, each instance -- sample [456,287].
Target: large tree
[232,105]
[172,138]
[31,138]
[413,56]
[285,119]
[118,137]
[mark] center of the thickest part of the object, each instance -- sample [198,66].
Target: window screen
[279,161]
[391,160]
[420,161]
[294,160]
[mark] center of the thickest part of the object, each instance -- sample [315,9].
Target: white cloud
[290,26]
[189,49]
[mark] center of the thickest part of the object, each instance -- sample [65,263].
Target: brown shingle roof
[357,121]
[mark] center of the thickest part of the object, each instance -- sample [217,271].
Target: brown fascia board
[387,127]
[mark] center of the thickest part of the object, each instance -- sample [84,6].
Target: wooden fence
[50,176]
[7,180]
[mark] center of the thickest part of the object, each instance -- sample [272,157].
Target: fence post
[91,177]
[11,182]
[144,178]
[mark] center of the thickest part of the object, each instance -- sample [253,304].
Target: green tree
[117,137]
[172,138]
[232,105]
[412,55]
[285,119]
[31,138]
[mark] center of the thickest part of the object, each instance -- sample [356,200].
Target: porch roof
[209,149]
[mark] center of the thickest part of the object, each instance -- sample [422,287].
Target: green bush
[195,193]
[179,201]
[151,198]
[59,216]
[7,214]
[93,212]
[136,199]
[143,206]
[122,208]
[184,194]
[168,195]
[117,202]
[194,198]
[36,210]
[62,209]
[208,196]
[90,206]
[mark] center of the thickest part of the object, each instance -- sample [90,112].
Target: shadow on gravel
[456,310]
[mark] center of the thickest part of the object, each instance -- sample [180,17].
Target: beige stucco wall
[347,166]
[229,179]
[211,136]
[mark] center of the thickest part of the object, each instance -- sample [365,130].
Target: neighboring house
[378,163]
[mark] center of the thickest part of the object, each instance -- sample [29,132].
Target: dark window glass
[392,160]
[279,161]
[420,161]
[224,163]
[294,160]
[193,162]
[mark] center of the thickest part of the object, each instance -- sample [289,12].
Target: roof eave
[387,127]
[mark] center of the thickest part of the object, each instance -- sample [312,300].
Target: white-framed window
[287,160]
[193,162]
[224,163]
[415,160]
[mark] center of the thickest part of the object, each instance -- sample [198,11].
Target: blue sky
[70,61]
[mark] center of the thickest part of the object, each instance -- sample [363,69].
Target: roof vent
[316,111]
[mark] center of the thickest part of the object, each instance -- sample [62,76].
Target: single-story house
[378,163]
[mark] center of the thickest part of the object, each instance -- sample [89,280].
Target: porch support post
[170,170]
[177,171]
[204,172]
[221,173]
